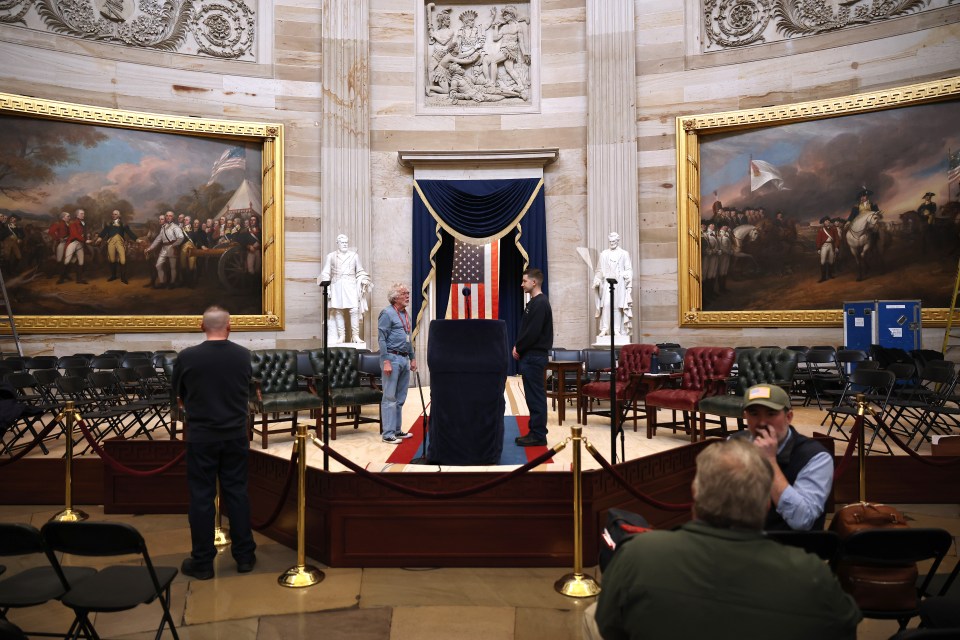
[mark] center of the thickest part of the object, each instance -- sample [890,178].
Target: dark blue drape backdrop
[479,209]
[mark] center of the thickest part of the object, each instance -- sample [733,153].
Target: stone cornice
[488,157]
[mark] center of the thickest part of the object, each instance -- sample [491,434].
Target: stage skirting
[527,521]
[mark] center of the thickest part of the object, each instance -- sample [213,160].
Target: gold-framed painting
[122,221]
[787,212]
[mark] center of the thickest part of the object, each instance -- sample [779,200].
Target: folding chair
[876,385]
[39,584]
[891,548]
[32,409]
[823,544]
[117,587]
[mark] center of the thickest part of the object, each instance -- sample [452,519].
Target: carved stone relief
[214,28]
[478,57]
[738,23]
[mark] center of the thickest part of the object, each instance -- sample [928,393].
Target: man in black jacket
[533,342]
[213,380]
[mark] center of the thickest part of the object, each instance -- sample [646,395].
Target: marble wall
[672,79]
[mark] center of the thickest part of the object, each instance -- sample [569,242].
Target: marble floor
[374,603]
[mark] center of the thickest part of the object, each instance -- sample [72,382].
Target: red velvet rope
[43,434]
[116,466]
[287,483]
[855,434]
[913,454]
[437,495]
[665,506]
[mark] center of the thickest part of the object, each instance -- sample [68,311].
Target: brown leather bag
[875,587]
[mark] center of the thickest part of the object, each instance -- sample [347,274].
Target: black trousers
[205,462]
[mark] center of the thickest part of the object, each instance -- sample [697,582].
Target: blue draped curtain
[480,211]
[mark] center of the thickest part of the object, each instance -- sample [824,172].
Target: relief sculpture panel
[478,58]
[731,24]
[212,28]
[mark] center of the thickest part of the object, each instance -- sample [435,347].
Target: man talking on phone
[802,467]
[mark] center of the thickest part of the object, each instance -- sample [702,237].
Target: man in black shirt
[533,342]
[213,380]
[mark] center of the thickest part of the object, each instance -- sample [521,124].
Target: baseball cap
[766,395]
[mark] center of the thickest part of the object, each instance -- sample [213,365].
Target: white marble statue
[614,263]
[349,285]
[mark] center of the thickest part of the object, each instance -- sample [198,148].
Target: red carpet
[513,426]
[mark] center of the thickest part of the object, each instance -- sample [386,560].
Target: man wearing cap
[927,208]
[864,204]
[828,241]
[802,467]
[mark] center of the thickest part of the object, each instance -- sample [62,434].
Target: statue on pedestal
[614,263]
[349,285]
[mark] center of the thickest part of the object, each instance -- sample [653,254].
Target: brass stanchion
[301,575]
[69,514]
[221,535]
[576,584]
[861,448]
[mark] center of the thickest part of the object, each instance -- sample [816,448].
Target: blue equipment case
[894,324]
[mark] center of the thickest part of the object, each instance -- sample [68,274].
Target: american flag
[477,267]
[953,169]
[235,158]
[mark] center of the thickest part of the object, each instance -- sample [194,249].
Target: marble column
[345,205]
[612,182]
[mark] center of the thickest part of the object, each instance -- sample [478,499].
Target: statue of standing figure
[349,285]
[614,263]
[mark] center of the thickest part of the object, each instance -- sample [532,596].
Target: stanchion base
[221,537]
[577,585]
[70,515]
[300,576]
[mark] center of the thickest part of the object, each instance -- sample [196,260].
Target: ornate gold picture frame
[883,157]
[125,168]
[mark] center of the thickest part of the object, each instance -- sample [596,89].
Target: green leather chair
[766,365]
[348,392]
[276,393]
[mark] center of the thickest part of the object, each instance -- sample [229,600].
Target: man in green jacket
[718,576]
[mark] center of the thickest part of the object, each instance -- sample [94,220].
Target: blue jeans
[228,460]
[531,368]
[394,394]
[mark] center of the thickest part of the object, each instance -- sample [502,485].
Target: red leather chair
[705,372]
[634,358]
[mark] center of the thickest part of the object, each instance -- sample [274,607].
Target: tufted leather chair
[275,391]
[347,389]
[754,366]
[705,371]
[634,359]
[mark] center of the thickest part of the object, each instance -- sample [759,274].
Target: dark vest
[795,455]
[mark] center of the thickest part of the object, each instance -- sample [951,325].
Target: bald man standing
[213,380]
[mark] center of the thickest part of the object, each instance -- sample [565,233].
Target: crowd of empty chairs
[913,393]
[128,393]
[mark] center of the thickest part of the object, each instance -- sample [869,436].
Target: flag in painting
[235,158]
[953,170]
[477,267]
[763,172]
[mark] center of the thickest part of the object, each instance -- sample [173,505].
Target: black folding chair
[117,587]
[35,585]
[897,547]
[823,544]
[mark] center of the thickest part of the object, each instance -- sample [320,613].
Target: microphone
[466,300]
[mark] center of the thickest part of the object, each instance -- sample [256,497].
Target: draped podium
[468,367]
[510,212]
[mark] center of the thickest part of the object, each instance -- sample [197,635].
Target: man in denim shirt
[396,361]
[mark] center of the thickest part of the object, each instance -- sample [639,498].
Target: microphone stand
[324,379]
[424,459]
[614,411]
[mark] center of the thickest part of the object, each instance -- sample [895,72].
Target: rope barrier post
[861,451]
[576,584]
[69,514]
[301,575]
[221,535]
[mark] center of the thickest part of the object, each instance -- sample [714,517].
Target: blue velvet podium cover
[468,374]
